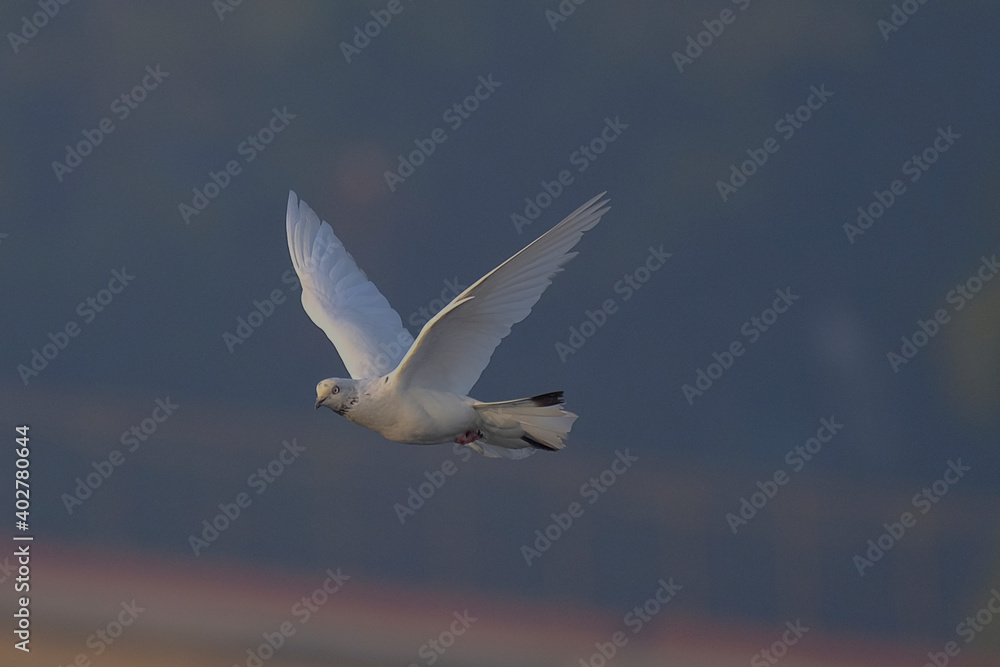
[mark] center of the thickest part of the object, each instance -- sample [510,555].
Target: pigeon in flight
[416,391]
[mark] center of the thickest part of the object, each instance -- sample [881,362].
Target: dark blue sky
[747,160]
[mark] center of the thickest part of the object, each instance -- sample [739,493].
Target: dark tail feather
[545,400]
[538,422]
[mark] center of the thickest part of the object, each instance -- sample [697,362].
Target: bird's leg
[468,436]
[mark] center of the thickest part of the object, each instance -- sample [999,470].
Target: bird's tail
[515,429]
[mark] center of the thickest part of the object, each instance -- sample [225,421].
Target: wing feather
[455,346]
[339,298]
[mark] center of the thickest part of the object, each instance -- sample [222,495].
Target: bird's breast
[418,416]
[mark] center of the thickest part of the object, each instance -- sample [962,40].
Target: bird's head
[337,394]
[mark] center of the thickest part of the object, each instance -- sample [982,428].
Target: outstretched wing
[339,298]
[455,346]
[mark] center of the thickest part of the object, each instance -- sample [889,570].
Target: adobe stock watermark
[258,481]
[635,620]
[779,649]
[265,308]
[87,310]
[249,149]
[786,126]
[962,293]
[592,490]
[627,286]
[454,116]
[968,629]
[22,617]
[898,17]
[914,168]
[581,158]
[122,107]
[132,439]
[423,315]
[751,330]
[103,638]
[432,650]
[302,612]
[796,459]
[696,44]
[364,34]
[261,311]
[925,500]
[561,12]
[31,25]
[434,480]
[223,7]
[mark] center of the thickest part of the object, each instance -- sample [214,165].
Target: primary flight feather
[415,391]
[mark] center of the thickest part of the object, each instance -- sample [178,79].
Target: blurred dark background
[224,73]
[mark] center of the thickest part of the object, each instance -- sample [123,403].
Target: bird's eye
[336,390]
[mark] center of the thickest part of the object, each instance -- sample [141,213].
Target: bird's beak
[319,403]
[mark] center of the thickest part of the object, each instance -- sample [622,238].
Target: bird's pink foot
[468,436]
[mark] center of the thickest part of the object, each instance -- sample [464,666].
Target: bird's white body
[417,416]
[418,394]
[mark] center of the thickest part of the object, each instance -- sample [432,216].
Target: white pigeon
[416,392]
